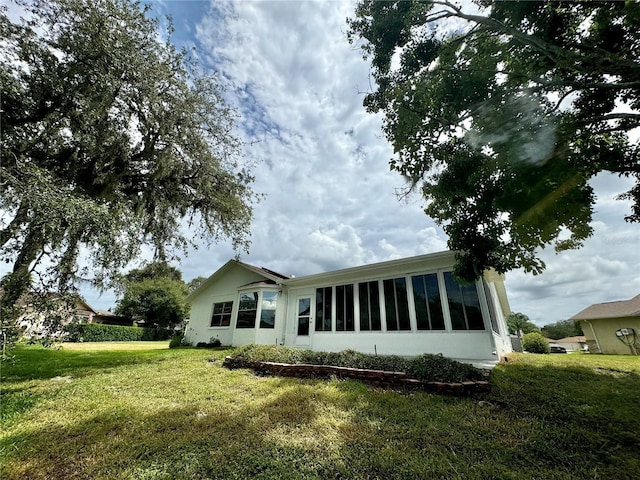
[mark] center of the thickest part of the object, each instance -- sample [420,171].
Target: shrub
[534,342]
[96,332]
[425,367]
[212,343]
[436,368]
[176,341]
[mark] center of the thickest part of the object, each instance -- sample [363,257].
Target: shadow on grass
[589,418]
[18,394]
[40,363]
[280,436]
[548,422]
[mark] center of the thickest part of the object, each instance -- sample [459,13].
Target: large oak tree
[501,113]
[111,139]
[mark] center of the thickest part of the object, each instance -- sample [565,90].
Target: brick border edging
[374,377]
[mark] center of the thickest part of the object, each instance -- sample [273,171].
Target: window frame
[372,304]
[261,309]
[461,290]
[348,307]
[398,313]
[430,314]
[324,314]
[222,314]
[255,310]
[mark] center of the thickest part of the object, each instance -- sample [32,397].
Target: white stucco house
[404,307]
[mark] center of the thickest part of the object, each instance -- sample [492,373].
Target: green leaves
[502,117]
[159,302]
[519,323]
[111,139]
[534,342]
[155,295]
[562,329]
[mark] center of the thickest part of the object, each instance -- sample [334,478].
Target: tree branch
[635,117]
[11,230]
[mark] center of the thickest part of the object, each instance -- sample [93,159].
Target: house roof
[269,276]
[575,339]
[623,308]
[443,259]
[416,263]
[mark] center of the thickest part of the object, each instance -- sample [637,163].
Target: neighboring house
[571,344]
[83,312]
[403,307]
[43,311]
[612,327]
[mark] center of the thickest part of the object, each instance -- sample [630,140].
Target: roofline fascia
[260,271]
[363,270]
[189,298]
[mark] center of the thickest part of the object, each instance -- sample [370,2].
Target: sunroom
[402,307]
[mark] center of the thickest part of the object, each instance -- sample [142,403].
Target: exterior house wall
[601,332]
[572,344]
[220,287]
[499,303]
[47,316]
[460,345]
[465,345]
[487,342]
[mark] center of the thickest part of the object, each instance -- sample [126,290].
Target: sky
[322,162]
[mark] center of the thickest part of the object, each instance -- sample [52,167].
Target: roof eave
[269,274]
[370,269]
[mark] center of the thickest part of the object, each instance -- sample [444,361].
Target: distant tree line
[519,324]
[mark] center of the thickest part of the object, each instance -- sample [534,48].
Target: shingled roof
[623,308]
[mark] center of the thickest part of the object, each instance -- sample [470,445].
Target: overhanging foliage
[111,139]
[500,112]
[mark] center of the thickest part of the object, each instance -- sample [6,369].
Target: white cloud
[334,246]
[390,252]
[606,268]
[322,162]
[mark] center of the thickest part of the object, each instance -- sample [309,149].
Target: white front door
[303,320]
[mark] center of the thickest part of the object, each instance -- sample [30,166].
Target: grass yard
[142,411]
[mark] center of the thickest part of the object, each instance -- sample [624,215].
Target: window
[247,310]
[396,305]
[426,297]
[492,308]
[464,304]
[268,310]
[323,309]
[369,306]
[221,316]
[344,308]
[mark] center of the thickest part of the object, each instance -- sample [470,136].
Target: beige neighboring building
[612,327]
[572,344]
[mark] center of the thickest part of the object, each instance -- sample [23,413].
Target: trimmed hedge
[96,332]
[425,367]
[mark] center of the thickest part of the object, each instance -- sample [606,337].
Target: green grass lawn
[142,411]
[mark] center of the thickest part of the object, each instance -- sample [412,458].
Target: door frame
[303,340]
